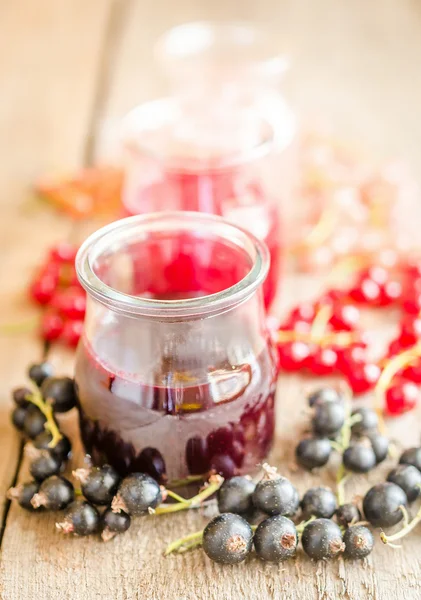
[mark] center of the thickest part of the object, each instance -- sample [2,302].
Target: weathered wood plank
[49,53]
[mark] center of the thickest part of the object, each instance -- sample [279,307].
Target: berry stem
[341,478]
[185,543]
[393,366]
[47,410]
[174,496]
[300,527]
[19,326]
[215,482]
[320,322]
[187,480]
[407,528]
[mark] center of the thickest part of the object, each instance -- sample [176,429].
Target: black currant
[235,495]
[23,493]
[382,504]
[347,514]
[227,539]
[369,420]
[62,449]
[328,418]
[38,372]
[113,523]
[322,539]
[20,396]
[324,395]
[80,518]
[60,391]
[276,496]
[408,478]
[358,542]
[412,456]
[276,539]
[99,484]
[359,457]
[34,422]
[313,452]
[19,416]
[318,502]
[137,494]
[45,465]
[380,445]
[55,493]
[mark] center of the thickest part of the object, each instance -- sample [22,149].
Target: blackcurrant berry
[23,493]
[313,452]
[408,478]
[19,416]
[80,518]
[62,449]
[45,465]
[38,372]
[60,391]
[359,457]
[358,542]
[113,523]
[411,456]
[137,494]
[380,445]
[328,418]
[322,539]
[99,484]
[369,420]
[276,539]
[382,504]
[318,502]
[235,495]
[347,514]
[34,422]
[227,539]
[323,395]
[55,493]
[276,496]
[20,396]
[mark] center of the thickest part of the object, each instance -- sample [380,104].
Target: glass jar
[213,160]
[176,372]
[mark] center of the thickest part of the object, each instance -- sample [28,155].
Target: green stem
[175,496]
[408,527]
[215,483]
[185,543]
[47,410]
[187,480]
[341,478]
[19,326]
[300,527]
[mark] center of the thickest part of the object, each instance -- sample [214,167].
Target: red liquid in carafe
[146,408]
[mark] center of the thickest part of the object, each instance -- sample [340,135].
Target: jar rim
[153,114]
[198,307]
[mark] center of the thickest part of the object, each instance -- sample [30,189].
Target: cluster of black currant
[229,537]
[334,427]
[49,449]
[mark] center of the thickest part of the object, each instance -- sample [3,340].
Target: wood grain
[356,61]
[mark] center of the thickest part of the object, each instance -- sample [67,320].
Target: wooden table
[69,69]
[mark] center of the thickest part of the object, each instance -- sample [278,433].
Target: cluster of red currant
[324,337]
[56,288]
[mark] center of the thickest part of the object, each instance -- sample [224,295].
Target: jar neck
[172,266]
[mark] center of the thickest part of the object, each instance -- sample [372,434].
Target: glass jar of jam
[175,372]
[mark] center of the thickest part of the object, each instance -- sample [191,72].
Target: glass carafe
[176,372]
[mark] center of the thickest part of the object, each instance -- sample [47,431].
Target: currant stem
[300,527]
[341,478]
[320,322]
[175,496]
[47,410]
[19,326]
[187,480]
[213,486]
[407,528]
[189,541]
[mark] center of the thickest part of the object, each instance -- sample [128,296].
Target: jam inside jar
[175,372]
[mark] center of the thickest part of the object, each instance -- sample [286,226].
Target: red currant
[71,303]
[63,253]
[333,296]
[396,347]
[410,331]
[303,312]
[345,317]
[71,333]
[51,326]
[378,274]
[412,302]
[401,397]
[350,355]
[293,355]
[323,361]
[366,291]
[298,326]
[413,371]
[391,292]
[43,288]
[362,377]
